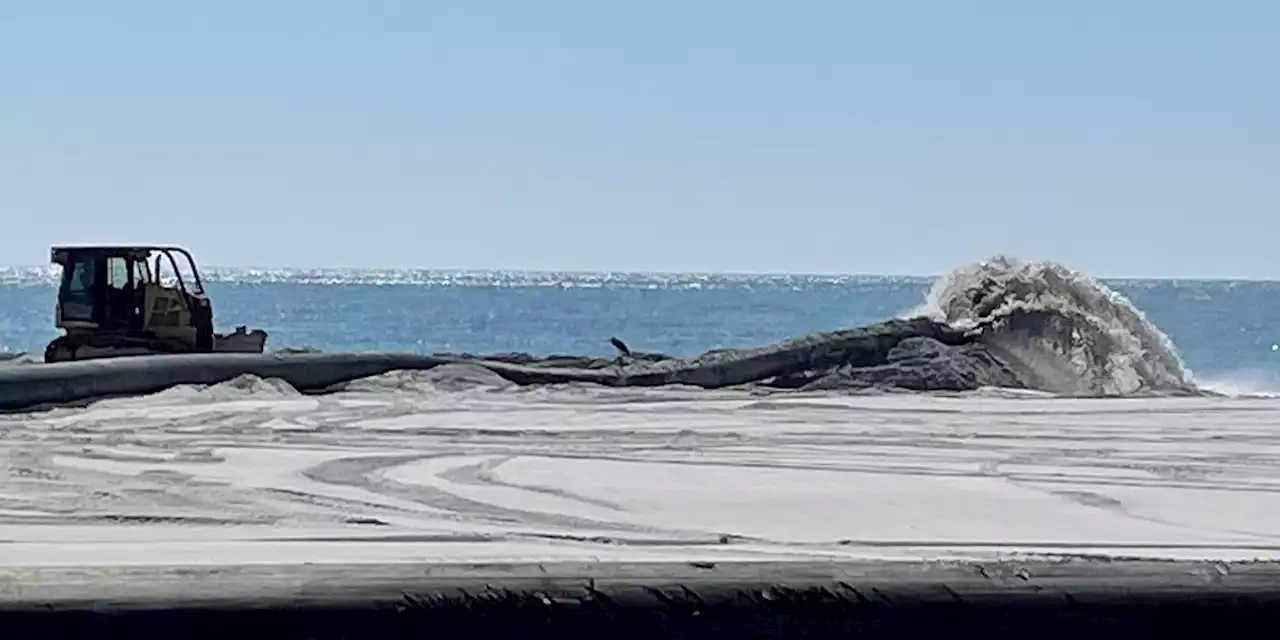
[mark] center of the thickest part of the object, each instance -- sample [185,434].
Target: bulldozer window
[164,272]
[117,273]
[123,301]
[141,273]
[77,299]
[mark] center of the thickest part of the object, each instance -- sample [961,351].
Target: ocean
[1225,331]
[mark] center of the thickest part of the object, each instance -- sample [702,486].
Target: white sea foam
[1243,384]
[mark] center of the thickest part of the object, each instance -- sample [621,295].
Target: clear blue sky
[1135,137]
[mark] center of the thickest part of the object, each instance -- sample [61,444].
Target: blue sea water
[1226,331]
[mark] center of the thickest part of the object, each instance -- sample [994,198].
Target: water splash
[1067,331]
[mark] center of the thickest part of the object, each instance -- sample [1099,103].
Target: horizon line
[638,272]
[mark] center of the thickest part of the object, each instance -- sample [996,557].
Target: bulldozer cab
[133,290]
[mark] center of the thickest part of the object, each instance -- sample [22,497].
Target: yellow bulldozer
[136,300]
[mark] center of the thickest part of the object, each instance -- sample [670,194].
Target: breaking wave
[1058,328]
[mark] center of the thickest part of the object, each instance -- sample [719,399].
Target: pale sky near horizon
[1132,138]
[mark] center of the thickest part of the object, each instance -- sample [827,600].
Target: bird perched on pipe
[620,346]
